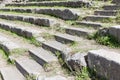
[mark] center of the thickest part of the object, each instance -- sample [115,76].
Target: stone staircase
[39,40]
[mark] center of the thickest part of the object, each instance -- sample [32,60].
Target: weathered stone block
[106,63]
[42,22]
[77,61]
[115,31]
[116,1]
[17,30]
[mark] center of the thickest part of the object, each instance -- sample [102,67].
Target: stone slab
[105,63]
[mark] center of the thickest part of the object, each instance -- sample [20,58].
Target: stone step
[111,7]
[30,19]
[25,31]
[106,12]
[53,3]
[115,31]
[95,25]
[28,67]
[78,31]
[99,18]
[42,56]
[65,14]
[57,77]
[99,61]
[11,73]
[56,48]
[7,45]
[117,2]
[66,38]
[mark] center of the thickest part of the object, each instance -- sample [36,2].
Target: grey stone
[65,14]
[42,56]
[8,45]
[27,34]
[55,3]
[95,25]
[17,30]
[105,63]
[77,61]
[116,1]
[28,66]
[78,31]
[103,32]
[11,73]
[57,47]
[98,18]
[41,22]
[66,38]
[115,31]
[58,77]
[34,20]
[106,12]
[111,7]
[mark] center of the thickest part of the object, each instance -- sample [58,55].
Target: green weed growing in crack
[82,75]
[47,67]
[60,29]
[62,62]
[107,40]
[108,20]
[118,17]
[18,51]
[87,74]
[74,47]
[30,77]
[5,55]
[34,41]
[47,36]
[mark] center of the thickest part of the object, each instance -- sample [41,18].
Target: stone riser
[98,18]
[64,14]
[63,40]
[16,30]
[106,13]
[111,7]
[89,24]
[51,4]
[29,19]
[78,32]
[117,2]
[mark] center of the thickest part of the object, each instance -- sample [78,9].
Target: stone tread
[11,73]
[41,21]
[7,44]
[28,66]
[67,37]
[18,29]
[57,46]
[52,3]
[100,59]
[43,56]
[90,24]
[78,31]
